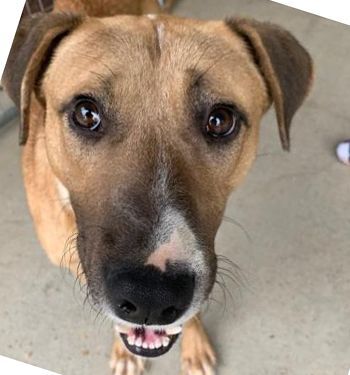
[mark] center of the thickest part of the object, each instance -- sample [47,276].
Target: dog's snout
[148,296]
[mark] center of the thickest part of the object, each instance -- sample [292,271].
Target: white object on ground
[343,152]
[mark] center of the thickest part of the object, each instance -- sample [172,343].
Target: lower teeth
[139,337]
[158,343]
[165,341]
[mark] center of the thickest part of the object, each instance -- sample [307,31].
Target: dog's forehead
[168,39]
[134,53]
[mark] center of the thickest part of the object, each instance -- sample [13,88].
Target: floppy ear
[285,65]
[34,44]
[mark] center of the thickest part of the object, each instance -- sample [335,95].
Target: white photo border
[10,13]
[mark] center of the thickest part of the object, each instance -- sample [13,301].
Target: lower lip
[149,353]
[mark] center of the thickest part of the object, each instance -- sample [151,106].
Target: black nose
[146,295]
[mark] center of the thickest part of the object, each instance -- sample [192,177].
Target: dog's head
[149,124]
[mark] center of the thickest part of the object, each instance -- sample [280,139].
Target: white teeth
[166,341]
[173,331]
[157,344]
[162,338]
[138,342]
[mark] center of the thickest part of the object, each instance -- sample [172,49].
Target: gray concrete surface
[7,110]
[291,315]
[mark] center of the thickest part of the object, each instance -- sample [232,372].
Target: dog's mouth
[148,342]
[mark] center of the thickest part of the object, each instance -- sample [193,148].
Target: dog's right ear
[33,47]
[284,64]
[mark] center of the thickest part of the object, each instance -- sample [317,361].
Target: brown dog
[135,131]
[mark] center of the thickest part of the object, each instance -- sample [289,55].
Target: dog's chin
[148,342]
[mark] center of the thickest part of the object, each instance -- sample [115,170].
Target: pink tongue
[148,335]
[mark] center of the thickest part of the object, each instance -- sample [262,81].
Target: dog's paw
[197,369]
[198,357]
[125,363]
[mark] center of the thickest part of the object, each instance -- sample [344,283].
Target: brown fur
[256,63]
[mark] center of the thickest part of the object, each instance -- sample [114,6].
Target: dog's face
[149,125]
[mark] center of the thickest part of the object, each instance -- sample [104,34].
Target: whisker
[228,273]
[263,154]
[239,225]
[222,286]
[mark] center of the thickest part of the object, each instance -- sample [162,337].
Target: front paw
[198,368]
[125,363]
[198,357]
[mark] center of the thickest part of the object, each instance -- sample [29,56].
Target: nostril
[127,307]
[147,296]
[170,313]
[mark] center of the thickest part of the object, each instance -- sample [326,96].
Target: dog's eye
[86,115]
[222,122]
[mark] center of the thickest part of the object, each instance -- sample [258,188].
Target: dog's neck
[107,8]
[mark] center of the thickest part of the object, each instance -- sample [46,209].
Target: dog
[135,129]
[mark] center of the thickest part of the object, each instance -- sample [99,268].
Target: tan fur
[123,362]
[197,354]
[52,157]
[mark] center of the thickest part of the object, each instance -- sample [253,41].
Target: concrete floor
[292,313]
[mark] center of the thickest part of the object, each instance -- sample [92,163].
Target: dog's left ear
[34,45]
[284,64]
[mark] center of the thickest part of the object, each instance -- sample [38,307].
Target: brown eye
[222,122]
[86,115]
